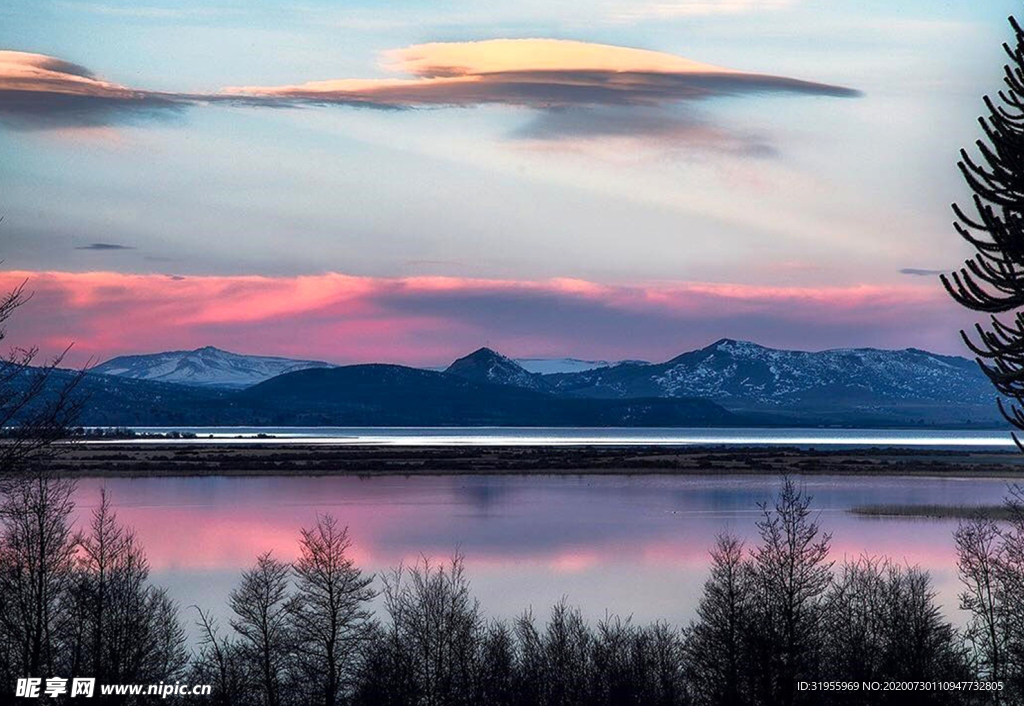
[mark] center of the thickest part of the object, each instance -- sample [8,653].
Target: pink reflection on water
[629,545]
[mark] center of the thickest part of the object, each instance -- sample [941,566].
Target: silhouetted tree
[659,650]
[437,631]
[328,613]
[993,280]
[790,574]
[977,544]
[38,408]
[991,568]
[498,666]
[716,641]
[127,631]
[39,402]
[262,623]
[219,662]
[37,559]
[637,665]
[1011,577]
[567,649]
[883,624]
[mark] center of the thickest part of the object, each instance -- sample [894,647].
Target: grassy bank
[938,512]
[197,458]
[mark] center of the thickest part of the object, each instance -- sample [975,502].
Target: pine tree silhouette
[993,280]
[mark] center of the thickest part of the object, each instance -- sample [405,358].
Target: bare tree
[991,568]
[39,403]
[568,657]
[38,407]
[883,624]
[219,663]
[498,664]
[101,553]
[1011,579]
[328,613]
[130,629]
[715,642]
[791,573]
[166,657]
[37,548]
[262,623]
[438,625]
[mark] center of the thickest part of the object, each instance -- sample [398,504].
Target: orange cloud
[504,55]
[538,73]
[22,71]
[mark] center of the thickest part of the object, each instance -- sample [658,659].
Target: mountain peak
[487,365]
[732,343]
[725,346]
[484,353]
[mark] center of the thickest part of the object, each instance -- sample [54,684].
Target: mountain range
[726,383]
[213,367]
[858,386]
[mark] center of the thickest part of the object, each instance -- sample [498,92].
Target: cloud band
[39,91]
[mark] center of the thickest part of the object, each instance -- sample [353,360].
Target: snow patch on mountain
[204,367]
[908,384]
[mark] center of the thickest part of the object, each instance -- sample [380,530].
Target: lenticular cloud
[39,91]
[537,73]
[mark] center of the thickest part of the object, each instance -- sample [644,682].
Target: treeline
[78,604]
[321,631]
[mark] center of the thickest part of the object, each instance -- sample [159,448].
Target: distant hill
[204,367]
[549,366]
[117,401]
[394,395]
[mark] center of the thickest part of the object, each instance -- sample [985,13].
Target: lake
[622,544]
[590,436]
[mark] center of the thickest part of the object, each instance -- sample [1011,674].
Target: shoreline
[156,459]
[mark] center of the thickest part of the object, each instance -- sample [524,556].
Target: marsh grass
[936,512]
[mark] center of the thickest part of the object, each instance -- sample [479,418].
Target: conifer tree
[993,280]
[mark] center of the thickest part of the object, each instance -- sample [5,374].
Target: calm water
[556,436]
[620,544]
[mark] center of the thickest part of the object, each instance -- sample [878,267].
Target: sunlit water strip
[495,436]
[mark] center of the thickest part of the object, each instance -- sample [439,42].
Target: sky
[410,180]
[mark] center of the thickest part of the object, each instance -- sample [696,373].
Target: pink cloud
[429,320]
[23,71]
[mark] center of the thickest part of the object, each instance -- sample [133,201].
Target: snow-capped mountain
[204,367]
[907,384]
[485,365]
[551,366]
[857,386]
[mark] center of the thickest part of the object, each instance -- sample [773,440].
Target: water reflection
[625,544]
[995,438]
